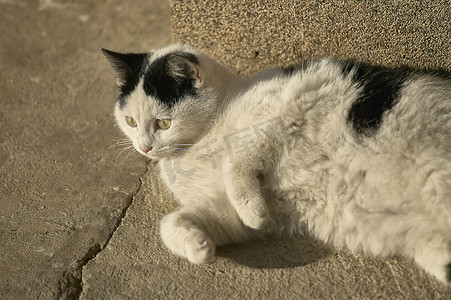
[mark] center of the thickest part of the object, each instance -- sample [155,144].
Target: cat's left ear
[182,66]
[125,65]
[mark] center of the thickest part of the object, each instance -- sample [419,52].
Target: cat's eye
[164,124]
[130,121]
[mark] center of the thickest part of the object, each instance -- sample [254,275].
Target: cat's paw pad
[199,249]
[254,214]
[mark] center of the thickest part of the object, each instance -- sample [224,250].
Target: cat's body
[354,155]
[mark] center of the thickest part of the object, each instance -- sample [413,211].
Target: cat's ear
[183,66]
[121,68]
[124,65]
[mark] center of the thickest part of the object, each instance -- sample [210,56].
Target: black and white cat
[355,155]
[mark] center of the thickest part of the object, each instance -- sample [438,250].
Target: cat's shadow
[276,253]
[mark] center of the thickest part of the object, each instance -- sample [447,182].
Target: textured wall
[248,36]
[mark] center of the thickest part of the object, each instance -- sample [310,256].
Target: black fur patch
[288,71]
[130,68]
[161,83]
[448,272]
[379,93]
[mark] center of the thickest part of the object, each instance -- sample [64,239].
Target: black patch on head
[379,93]
[129,68]
[448,272]
[171,77]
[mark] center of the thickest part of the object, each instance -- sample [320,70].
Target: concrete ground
[79,218]
[63,189]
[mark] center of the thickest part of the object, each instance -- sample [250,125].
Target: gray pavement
[63,189]
[79,219]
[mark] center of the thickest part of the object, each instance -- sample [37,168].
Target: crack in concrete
[71,282]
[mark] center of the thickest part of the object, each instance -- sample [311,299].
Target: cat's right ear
[124,65]
[121,68]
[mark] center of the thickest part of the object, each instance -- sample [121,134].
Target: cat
[356,155]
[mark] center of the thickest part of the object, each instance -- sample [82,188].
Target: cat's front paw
[184,238]
[199,249]
[254,214]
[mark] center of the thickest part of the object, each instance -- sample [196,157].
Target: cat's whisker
[130,152]
[171,151]
[120,153]
[117,146]
[123,142]
[178,149]
[174,151]
[123,150]
[165,150]
[120,143]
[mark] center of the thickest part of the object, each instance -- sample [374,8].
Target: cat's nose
[145,149]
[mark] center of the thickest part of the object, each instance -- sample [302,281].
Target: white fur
[274,154]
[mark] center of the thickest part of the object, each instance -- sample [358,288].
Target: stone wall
[248,36]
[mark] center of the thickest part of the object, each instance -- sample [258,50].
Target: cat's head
[165,101]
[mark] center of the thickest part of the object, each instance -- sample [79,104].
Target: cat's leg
[433,253]
[244,191]
[194,232]
[417,237]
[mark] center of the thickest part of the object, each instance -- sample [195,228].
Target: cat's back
[362,103]
[283,97]
[336,104]
[387,130]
